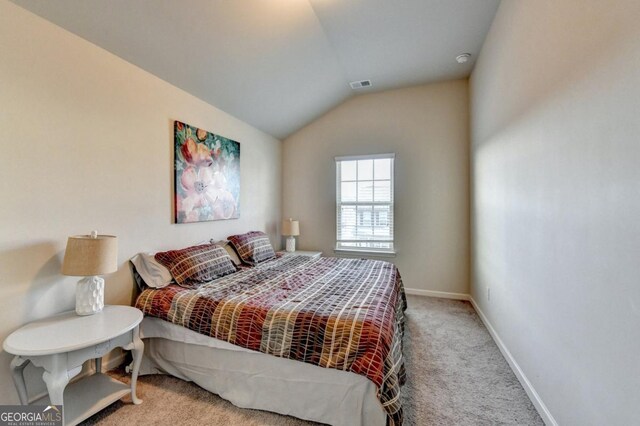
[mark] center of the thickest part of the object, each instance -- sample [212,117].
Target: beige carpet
[456,376]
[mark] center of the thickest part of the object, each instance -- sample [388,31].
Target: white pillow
[151,271]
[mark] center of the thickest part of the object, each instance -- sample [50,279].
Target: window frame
[372,251]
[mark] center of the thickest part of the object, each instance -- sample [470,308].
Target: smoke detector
[463,58]
[360,84]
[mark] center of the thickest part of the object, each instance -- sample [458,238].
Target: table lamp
[89,256]
[290,228]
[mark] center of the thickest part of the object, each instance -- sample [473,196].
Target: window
[364,203]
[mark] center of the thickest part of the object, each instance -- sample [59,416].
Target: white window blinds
[364,202]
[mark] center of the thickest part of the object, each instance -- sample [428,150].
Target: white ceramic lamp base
[89,295]
[291,244]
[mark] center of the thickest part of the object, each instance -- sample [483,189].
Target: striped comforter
[346,314]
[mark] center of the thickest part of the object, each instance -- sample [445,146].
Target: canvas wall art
[207,175]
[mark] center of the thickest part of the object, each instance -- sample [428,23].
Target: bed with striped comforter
[346,314]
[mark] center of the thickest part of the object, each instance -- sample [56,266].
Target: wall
[87,144]
[427,128]
[556,201]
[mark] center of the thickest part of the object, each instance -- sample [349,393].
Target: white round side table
[62,343]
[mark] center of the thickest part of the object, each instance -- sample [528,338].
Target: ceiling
[279,64]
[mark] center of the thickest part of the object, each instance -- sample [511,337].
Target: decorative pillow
[253,247]
[230,250]
[198,264]
[151,271]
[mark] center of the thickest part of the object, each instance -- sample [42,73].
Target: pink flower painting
[207,175]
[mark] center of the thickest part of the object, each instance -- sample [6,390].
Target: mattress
[340,314]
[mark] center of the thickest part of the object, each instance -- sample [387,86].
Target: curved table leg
[17,368]
[137,348]
[56,382]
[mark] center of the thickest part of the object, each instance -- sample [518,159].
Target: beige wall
[556,201]
[427,128]
[86,144]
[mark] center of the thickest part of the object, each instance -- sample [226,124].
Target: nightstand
[312,254]
[62,343]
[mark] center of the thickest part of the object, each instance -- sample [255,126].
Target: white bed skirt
[251,379]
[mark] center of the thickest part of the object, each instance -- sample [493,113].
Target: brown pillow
[253,247]
[195,265]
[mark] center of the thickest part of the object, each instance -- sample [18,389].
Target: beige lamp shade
[290,227]
[88,255]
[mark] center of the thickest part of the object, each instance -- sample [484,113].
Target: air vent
[360,84]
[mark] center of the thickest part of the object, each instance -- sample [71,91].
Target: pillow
[253,247]
[198,264]
[151,271]
[142,286]
[230,250]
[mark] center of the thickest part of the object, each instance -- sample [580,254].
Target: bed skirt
[250,379]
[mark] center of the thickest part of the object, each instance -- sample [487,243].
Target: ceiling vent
[360,84]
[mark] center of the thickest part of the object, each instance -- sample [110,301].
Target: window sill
[368,253]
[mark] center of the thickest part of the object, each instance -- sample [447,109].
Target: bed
[319,339]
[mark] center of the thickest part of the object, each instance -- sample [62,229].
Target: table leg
[17,368]
[137,348]
[98,365]
[56,382]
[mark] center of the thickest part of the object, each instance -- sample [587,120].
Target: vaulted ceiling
[279,64]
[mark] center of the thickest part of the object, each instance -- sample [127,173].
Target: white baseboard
[441,294]
[114,361]
[526,384]
[524,381]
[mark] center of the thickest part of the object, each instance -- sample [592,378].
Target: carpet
[456,375]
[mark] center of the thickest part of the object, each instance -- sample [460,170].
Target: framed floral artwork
[207,175]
